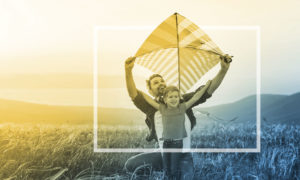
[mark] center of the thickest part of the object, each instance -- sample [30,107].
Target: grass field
[66,152]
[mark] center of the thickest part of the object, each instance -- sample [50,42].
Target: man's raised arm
[216,81]
[225,63]
[131,88]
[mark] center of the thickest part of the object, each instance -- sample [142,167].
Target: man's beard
[160,90]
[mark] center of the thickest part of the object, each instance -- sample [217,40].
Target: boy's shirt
[159,131]
[150,111]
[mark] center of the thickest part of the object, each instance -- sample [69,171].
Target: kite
[179,51]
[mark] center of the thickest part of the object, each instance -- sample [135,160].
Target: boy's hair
[148,82]
[170,89]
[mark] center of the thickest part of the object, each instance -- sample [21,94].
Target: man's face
[172,99]
[157,86]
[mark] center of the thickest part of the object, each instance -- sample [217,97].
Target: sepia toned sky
[56,37]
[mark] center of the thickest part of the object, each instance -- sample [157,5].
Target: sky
[57,37]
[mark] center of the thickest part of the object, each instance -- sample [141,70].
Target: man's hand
[129,63]
[131,88]
[208,83]
[225,62]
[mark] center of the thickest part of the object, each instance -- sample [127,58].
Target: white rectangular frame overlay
[213,150]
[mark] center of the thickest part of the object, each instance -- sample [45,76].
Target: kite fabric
[180,51]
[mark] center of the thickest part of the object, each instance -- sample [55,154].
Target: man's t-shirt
[149,110]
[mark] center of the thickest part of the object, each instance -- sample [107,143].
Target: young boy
[173,117]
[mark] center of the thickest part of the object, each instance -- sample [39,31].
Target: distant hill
[274,109]
[286,110]
[23,112]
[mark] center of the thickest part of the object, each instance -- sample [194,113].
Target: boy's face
[172,99]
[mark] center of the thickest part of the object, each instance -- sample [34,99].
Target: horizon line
[91,105]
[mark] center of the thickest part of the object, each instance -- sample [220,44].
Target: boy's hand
[129,63]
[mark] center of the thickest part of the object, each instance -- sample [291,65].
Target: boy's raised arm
[197,95]
[150,101]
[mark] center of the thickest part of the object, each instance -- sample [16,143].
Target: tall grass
[66,152]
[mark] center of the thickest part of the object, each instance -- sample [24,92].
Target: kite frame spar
[178,54]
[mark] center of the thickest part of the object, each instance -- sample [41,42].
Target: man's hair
[148,82]
[170,89]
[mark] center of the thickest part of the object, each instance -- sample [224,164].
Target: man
[156,86]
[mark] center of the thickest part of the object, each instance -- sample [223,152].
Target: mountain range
[282,109]
[23,112]
[278,109]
